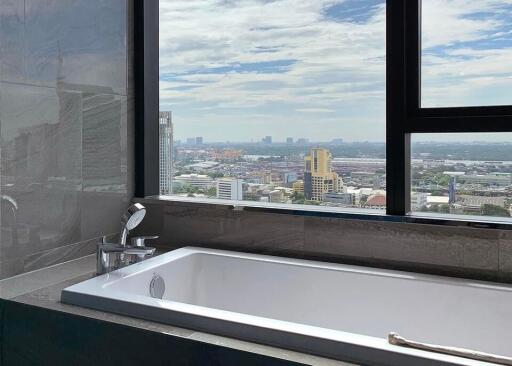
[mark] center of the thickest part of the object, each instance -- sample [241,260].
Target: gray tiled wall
[484,254]
[65,128]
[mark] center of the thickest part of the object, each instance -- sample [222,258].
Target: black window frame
[404,114]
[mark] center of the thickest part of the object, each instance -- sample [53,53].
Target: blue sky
[240,70]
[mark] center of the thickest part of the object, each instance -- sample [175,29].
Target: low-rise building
[230,189]
[345,199]
[195,180]
[298,186]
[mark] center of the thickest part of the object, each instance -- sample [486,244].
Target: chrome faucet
[112,256]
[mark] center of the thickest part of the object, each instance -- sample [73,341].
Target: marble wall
[65,127]
[458,251]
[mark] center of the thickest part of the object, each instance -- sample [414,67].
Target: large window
[398,104]
[273,101]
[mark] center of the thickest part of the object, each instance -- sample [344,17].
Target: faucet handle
[140,241]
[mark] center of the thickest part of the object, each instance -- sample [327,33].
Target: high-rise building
[267,140]
[302,141]
[452,186]
[318,175]
[229,189]
[166,147]
[191,141]
[199,140]
[289,140]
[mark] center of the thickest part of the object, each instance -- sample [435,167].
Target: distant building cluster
[295,171]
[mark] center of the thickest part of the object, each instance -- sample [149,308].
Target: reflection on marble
[41,166]
[102,141]
[12,34]
[63,128]
[78,41]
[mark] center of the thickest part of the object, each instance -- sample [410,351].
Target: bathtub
[337,311]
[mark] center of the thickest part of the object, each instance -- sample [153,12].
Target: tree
[442,180]
[311,202]
[216,175]
[444,208]
[494,210]
[297,197]
[212,192]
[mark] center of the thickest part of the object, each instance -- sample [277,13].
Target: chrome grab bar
[397,340]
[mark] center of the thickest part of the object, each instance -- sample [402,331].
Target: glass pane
[466,53]
[462,174]
[273,101]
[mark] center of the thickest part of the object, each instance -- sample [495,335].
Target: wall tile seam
[47,87]
[68,245]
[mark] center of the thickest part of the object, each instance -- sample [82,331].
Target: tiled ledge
[465,251]
[479,222]
[45,277]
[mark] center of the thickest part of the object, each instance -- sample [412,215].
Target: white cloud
[335,66]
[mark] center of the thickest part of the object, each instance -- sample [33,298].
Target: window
[273,101]
[330,103]
[466,53]
[462,174]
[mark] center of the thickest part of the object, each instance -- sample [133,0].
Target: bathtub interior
[337,297]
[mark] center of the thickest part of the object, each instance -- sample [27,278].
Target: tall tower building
[318,175]
[452,187]
[166,151]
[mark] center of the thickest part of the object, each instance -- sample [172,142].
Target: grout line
[45,268]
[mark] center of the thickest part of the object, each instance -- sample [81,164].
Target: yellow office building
[318,175]
[298,186]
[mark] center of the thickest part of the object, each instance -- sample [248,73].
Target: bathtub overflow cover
[157,287]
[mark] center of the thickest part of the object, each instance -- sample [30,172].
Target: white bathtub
[338,311]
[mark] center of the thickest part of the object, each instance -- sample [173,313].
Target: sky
[238,70]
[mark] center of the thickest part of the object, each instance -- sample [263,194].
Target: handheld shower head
[131,219]
[133,216]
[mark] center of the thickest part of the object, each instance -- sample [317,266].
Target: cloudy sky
[237,70]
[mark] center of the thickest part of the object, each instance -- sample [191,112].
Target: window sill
[335,212]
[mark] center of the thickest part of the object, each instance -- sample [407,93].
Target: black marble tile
[428,244]
[37,336]
[221,227]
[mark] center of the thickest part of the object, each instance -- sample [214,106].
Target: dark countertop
[42,288]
